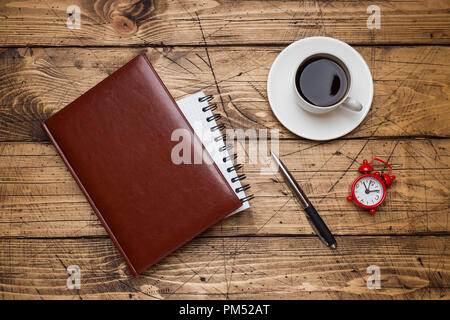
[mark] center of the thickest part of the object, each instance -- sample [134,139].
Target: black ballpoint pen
[314,219]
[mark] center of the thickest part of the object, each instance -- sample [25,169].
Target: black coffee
[321,81]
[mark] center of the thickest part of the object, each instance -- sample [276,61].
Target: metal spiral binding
[232,157]
[218,127]
[226,147]
[243,188]
[213,117]
[239,177]
[247,198]
[211,107]
[234,168]
[208,97]
[223,137]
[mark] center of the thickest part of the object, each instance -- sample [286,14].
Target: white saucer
[281,94]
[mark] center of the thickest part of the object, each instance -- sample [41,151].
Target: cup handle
[352,104]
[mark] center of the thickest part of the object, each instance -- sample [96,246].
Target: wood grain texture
[147,22]
[411,85]
[226,48]
[40,199]
[231,268]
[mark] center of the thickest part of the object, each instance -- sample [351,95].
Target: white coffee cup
[345,102]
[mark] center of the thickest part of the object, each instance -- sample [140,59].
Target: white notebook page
[192,110]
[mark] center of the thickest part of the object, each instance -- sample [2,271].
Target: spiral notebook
[198,112]
[116,141]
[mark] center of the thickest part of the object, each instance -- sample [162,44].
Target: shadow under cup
[322,80]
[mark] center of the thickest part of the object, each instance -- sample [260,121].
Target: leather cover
[116,141]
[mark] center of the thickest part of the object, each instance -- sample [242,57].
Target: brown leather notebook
[116,141]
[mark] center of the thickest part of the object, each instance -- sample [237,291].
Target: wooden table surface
[226,49]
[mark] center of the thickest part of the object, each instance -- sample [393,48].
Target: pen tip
[333,246]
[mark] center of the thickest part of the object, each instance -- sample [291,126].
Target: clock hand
[374,191]
[367,189]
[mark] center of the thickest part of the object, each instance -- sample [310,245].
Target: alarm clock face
[369,191]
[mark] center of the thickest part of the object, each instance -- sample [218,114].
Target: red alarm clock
[369,190]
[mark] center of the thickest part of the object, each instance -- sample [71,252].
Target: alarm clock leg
[349,198]
[372,211]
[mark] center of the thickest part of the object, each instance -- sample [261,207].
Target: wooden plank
[411,85]
[234,268]
[146,22]
[39,198]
